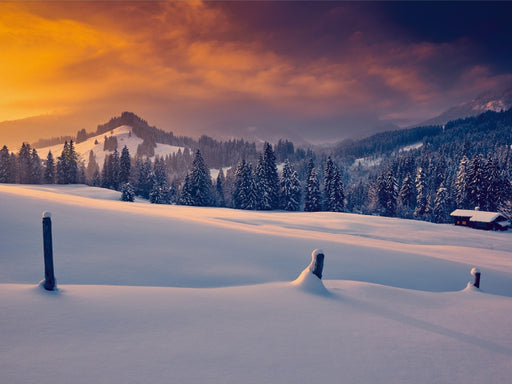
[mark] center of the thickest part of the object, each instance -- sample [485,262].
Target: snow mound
[308,280]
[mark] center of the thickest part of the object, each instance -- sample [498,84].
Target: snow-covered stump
[49,276]
[476,272]
[311,277]
[317,263]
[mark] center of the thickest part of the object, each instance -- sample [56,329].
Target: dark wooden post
[476,272]
[317,263]
[49,277]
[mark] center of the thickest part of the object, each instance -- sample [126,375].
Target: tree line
[464,164]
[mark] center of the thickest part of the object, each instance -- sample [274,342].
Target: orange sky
[198,67]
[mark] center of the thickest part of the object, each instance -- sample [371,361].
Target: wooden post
[49,277]
[317,263]
[476,272]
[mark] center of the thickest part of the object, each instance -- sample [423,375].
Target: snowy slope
[124,137]
[172,294]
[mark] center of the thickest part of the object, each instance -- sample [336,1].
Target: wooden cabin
[481,219]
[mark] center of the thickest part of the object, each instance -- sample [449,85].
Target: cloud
[194,61]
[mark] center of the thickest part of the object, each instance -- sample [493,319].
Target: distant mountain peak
[497,99]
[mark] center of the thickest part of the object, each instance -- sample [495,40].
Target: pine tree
[24,164]
[477,183]
[289,191]
[49,169]
[72,164]
[127,192]
[333,188]
[92,166]
[160,191]
[391,194]
[441,211]
[312,196]
[186,192]
[124,166]
[36,169]
[5,165]
[421,195]
[461,185]
[146,179]
[244,196]
[267,179]
[200,182]
[62,165]
[219,188]
[407,197]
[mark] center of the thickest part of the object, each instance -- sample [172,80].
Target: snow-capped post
[49,277]
[476,272]
[317,263]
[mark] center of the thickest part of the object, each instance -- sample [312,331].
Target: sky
[317,70]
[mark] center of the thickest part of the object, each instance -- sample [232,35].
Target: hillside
[188,294]
[124,135]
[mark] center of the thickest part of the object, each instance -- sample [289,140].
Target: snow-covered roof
[475,215]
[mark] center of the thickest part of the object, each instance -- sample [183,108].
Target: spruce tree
[407,197]
[36,169]
[267,180]
[5,165]
[24,164]
[92,166]
[49,169]
[421,195]
[334,195]
[186,192]
[200,182]
[477,183]
[244,196]
[219,188]
[441,211]
[289,191]
[461,185]
[127,192]
[124,166]
[312,195]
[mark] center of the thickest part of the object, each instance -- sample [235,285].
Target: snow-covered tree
[442,206]
[244,195]
[421,195]
[127,192]
[461,185]
[312,195]
[200,182]
[219,189]
[124,166]
[36,168]
[289,191]
[5,165]
[24,164]
[333,188]
[267,179]
[407,197]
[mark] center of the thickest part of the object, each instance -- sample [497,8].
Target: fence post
[476,272]
[49,276]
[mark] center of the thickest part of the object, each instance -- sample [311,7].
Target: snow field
[171,294]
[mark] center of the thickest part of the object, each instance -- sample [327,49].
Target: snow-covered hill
[175,294]
[124,136]
[496,100]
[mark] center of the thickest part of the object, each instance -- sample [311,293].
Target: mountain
[496,100]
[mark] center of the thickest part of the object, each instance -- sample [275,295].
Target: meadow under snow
[174,294]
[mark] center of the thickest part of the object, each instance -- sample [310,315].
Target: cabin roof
[477,216]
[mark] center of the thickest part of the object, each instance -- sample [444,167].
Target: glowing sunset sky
[321,69]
